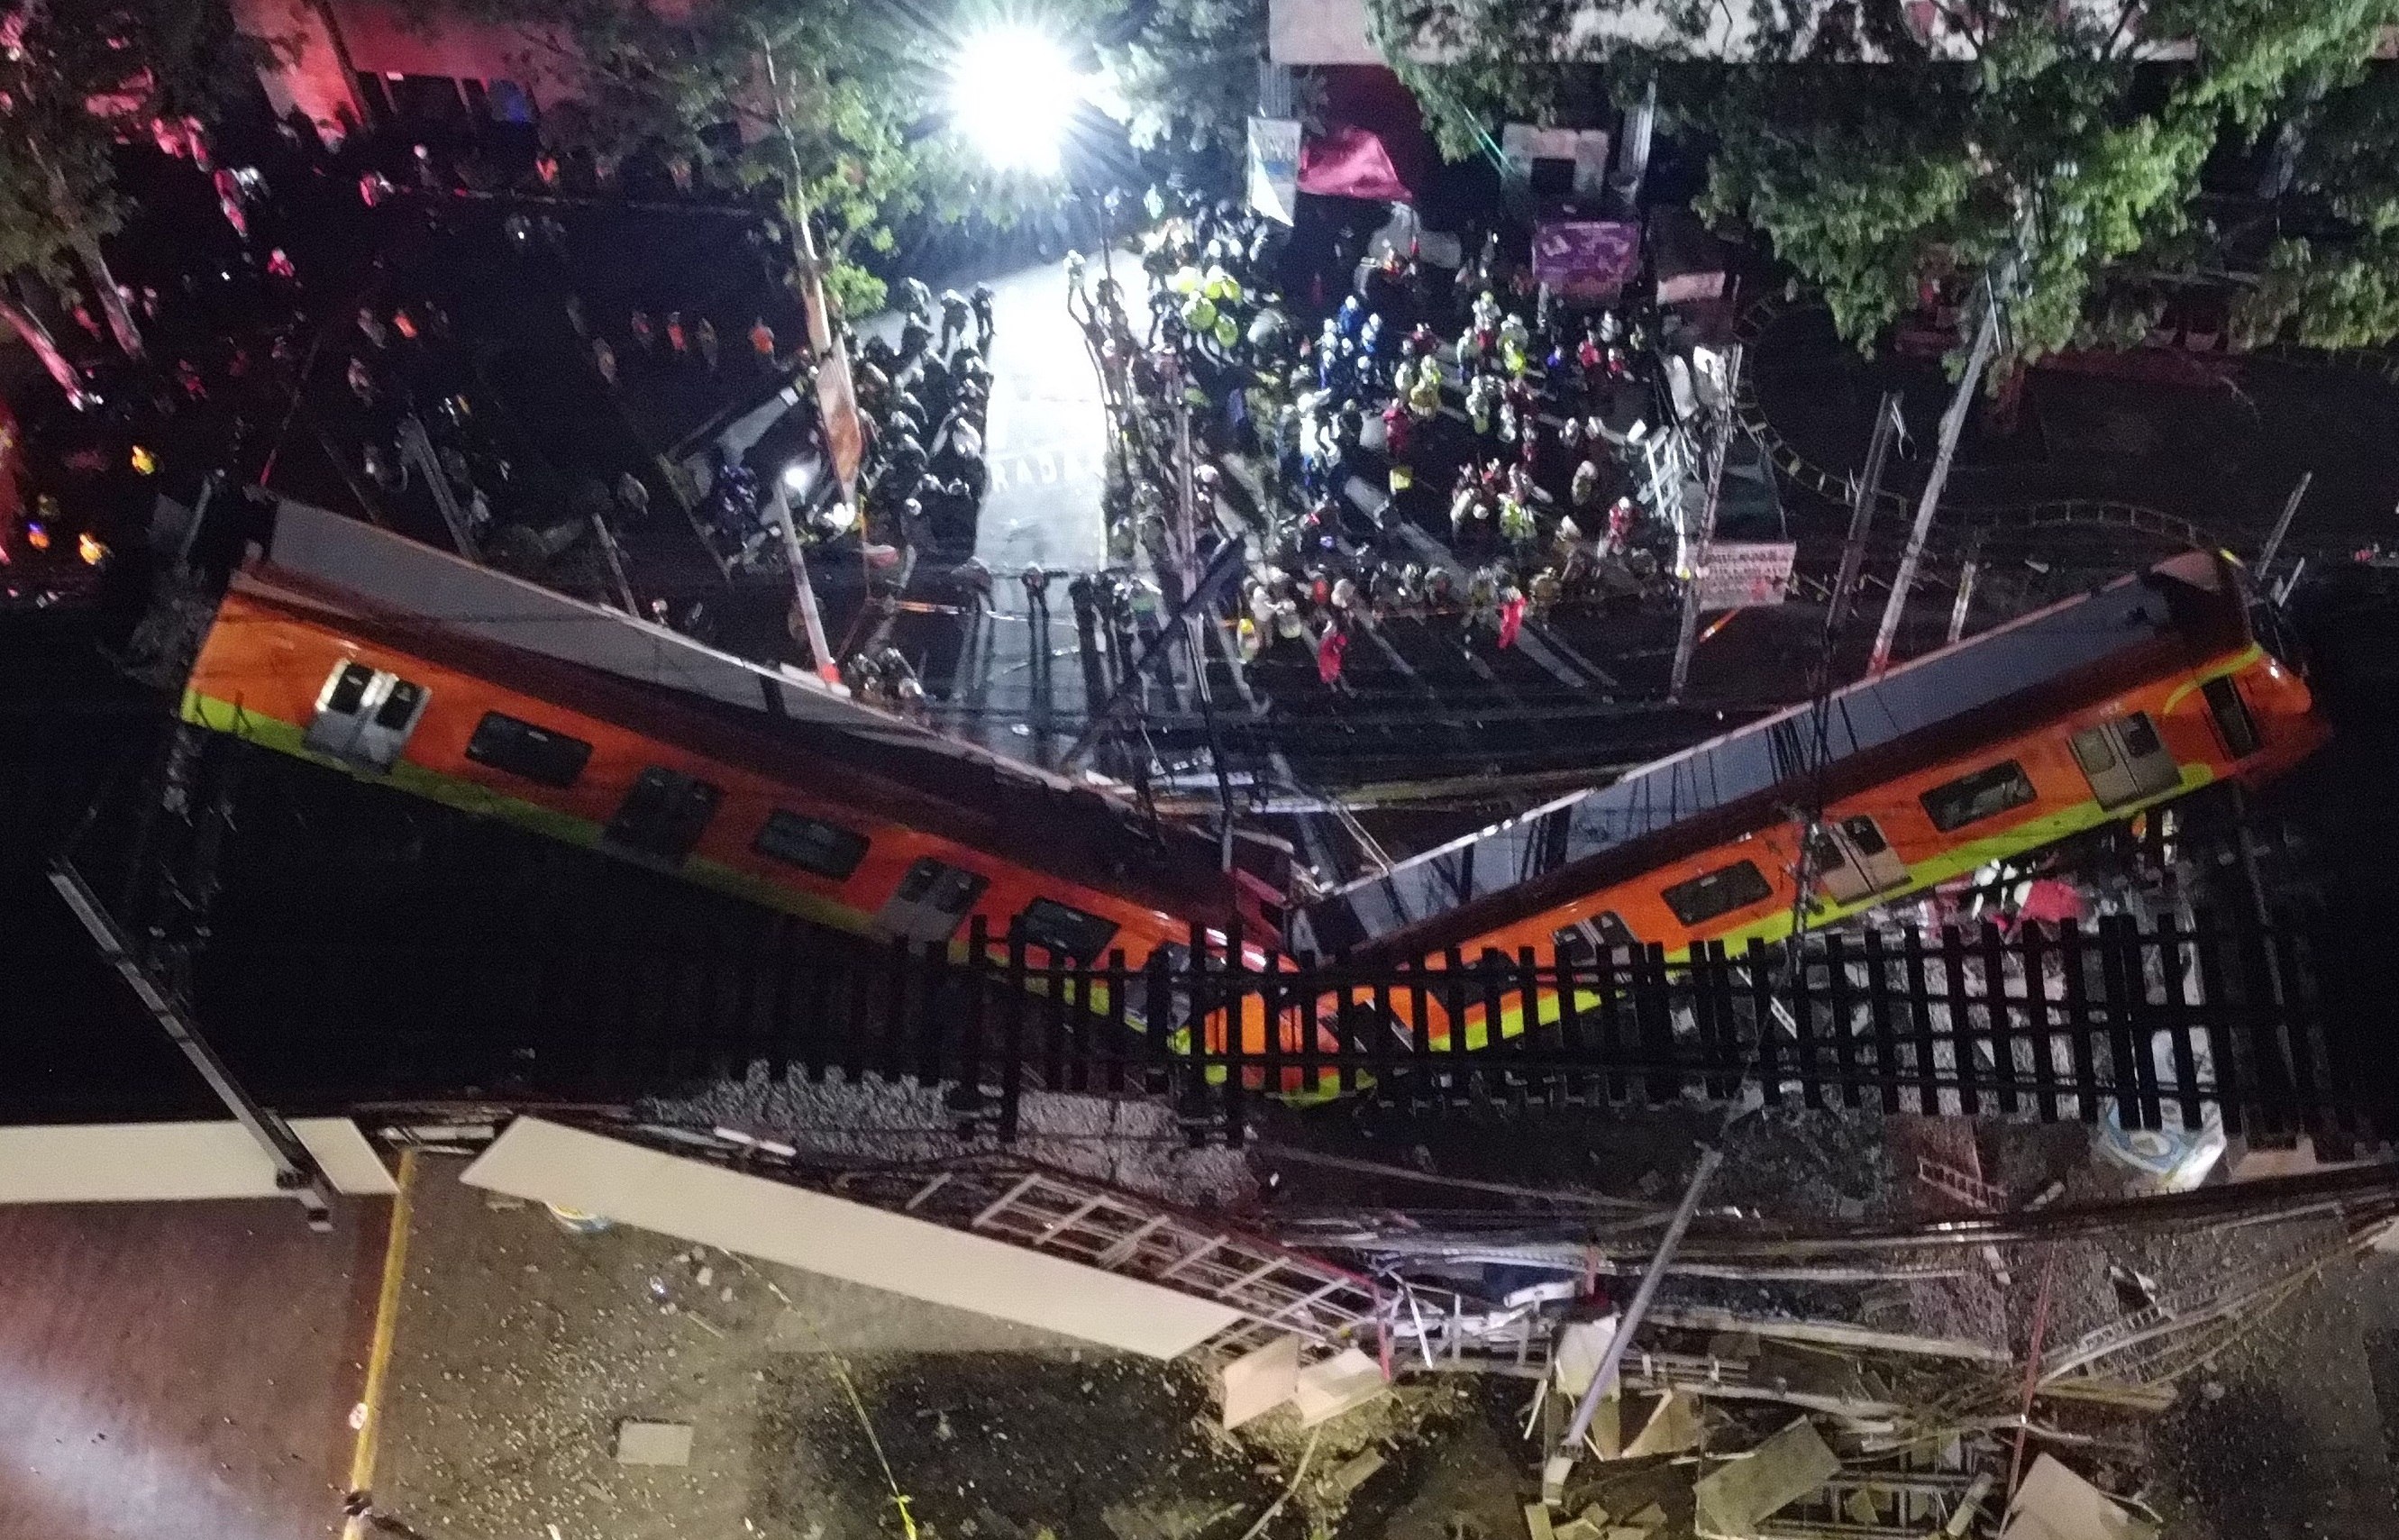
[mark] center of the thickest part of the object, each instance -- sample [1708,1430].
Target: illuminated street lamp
[1014,94]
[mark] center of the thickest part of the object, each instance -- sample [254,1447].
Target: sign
[1740,574]
[1274,167]
[1586,259]
[1521,145]
[837,405]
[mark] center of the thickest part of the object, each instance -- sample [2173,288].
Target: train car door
[930,901]
[364,716]
[2125,761]
[1853,861]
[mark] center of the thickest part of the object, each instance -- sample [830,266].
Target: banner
[1274,167]
[1742,575]
[1586,259]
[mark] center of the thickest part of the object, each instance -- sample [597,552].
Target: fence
[2159,1026]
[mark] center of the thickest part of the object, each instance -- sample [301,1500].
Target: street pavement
[1013,680]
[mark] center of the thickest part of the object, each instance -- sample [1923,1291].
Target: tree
[860,113]
[1188,72]
[73,81]
[2330,277]
[1875,159]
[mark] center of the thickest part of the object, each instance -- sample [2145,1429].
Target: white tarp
[1742,573]
[1522,144]
[694,1200]
[168,1162]
[1274,167]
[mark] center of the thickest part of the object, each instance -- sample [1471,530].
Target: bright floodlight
[1014,93]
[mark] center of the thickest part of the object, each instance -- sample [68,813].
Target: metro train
[2057,723]
[352,647]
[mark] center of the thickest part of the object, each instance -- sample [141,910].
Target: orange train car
[357,649]
[2057,723]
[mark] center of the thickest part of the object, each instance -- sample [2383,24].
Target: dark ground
[180,1369]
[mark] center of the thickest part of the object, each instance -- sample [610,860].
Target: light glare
[1014,94]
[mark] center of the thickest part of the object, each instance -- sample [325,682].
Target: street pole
[804,592]
[1864,495]
[1561,1464]
[1719,450]
[831,355]
[2282,526]
[1966,576]
[1953,425]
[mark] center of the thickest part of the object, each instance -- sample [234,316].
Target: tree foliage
[73,81]
[856,87]
[1186,71]
[1874,158]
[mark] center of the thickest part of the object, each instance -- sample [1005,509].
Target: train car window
[1718,892]
[2124,759]
[930,901]
[826,849]
[1580,942]
[348,687]
[1865,836]
[918,881]
[1985,794]
[538,753]
[1068,932]
[2233,722]
[399,709]
[957,890]
[663,814]
[2094,752]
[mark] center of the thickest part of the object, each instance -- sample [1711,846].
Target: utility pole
[1953,425]
[1864,494]
[1719,449]
[2283,525]
[1561,1464]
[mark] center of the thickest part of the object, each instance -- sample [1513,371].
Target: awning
[1373,144]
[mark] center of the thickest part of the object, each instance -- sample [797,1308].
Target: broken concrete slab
[1342,1382]
[1536,1521]
[1672,1428]
[1354,1473]
[1258,1381]
[1581,1347]
[644,1443]
[1730,1501]
[2056,1504]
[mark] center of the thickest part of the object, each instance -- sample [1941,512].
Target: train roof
[1073,828]
[2166,603]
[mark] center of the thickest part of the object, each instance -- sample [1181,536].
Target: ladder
[1277,1291]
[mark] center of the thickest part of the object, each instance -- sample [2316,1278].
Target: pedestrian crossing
[1044,468]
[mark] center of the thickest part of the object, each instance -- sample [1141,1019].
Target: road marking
[395,1272]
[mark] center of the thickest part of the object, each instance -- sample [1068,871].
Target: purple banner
[1586,256]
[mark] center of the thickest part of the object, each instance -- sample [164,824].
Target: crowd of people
[1505,429]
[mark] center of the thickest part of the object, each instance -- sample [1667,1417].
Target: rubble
[1728,1503]
[2056,1504]
[1130,1143]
